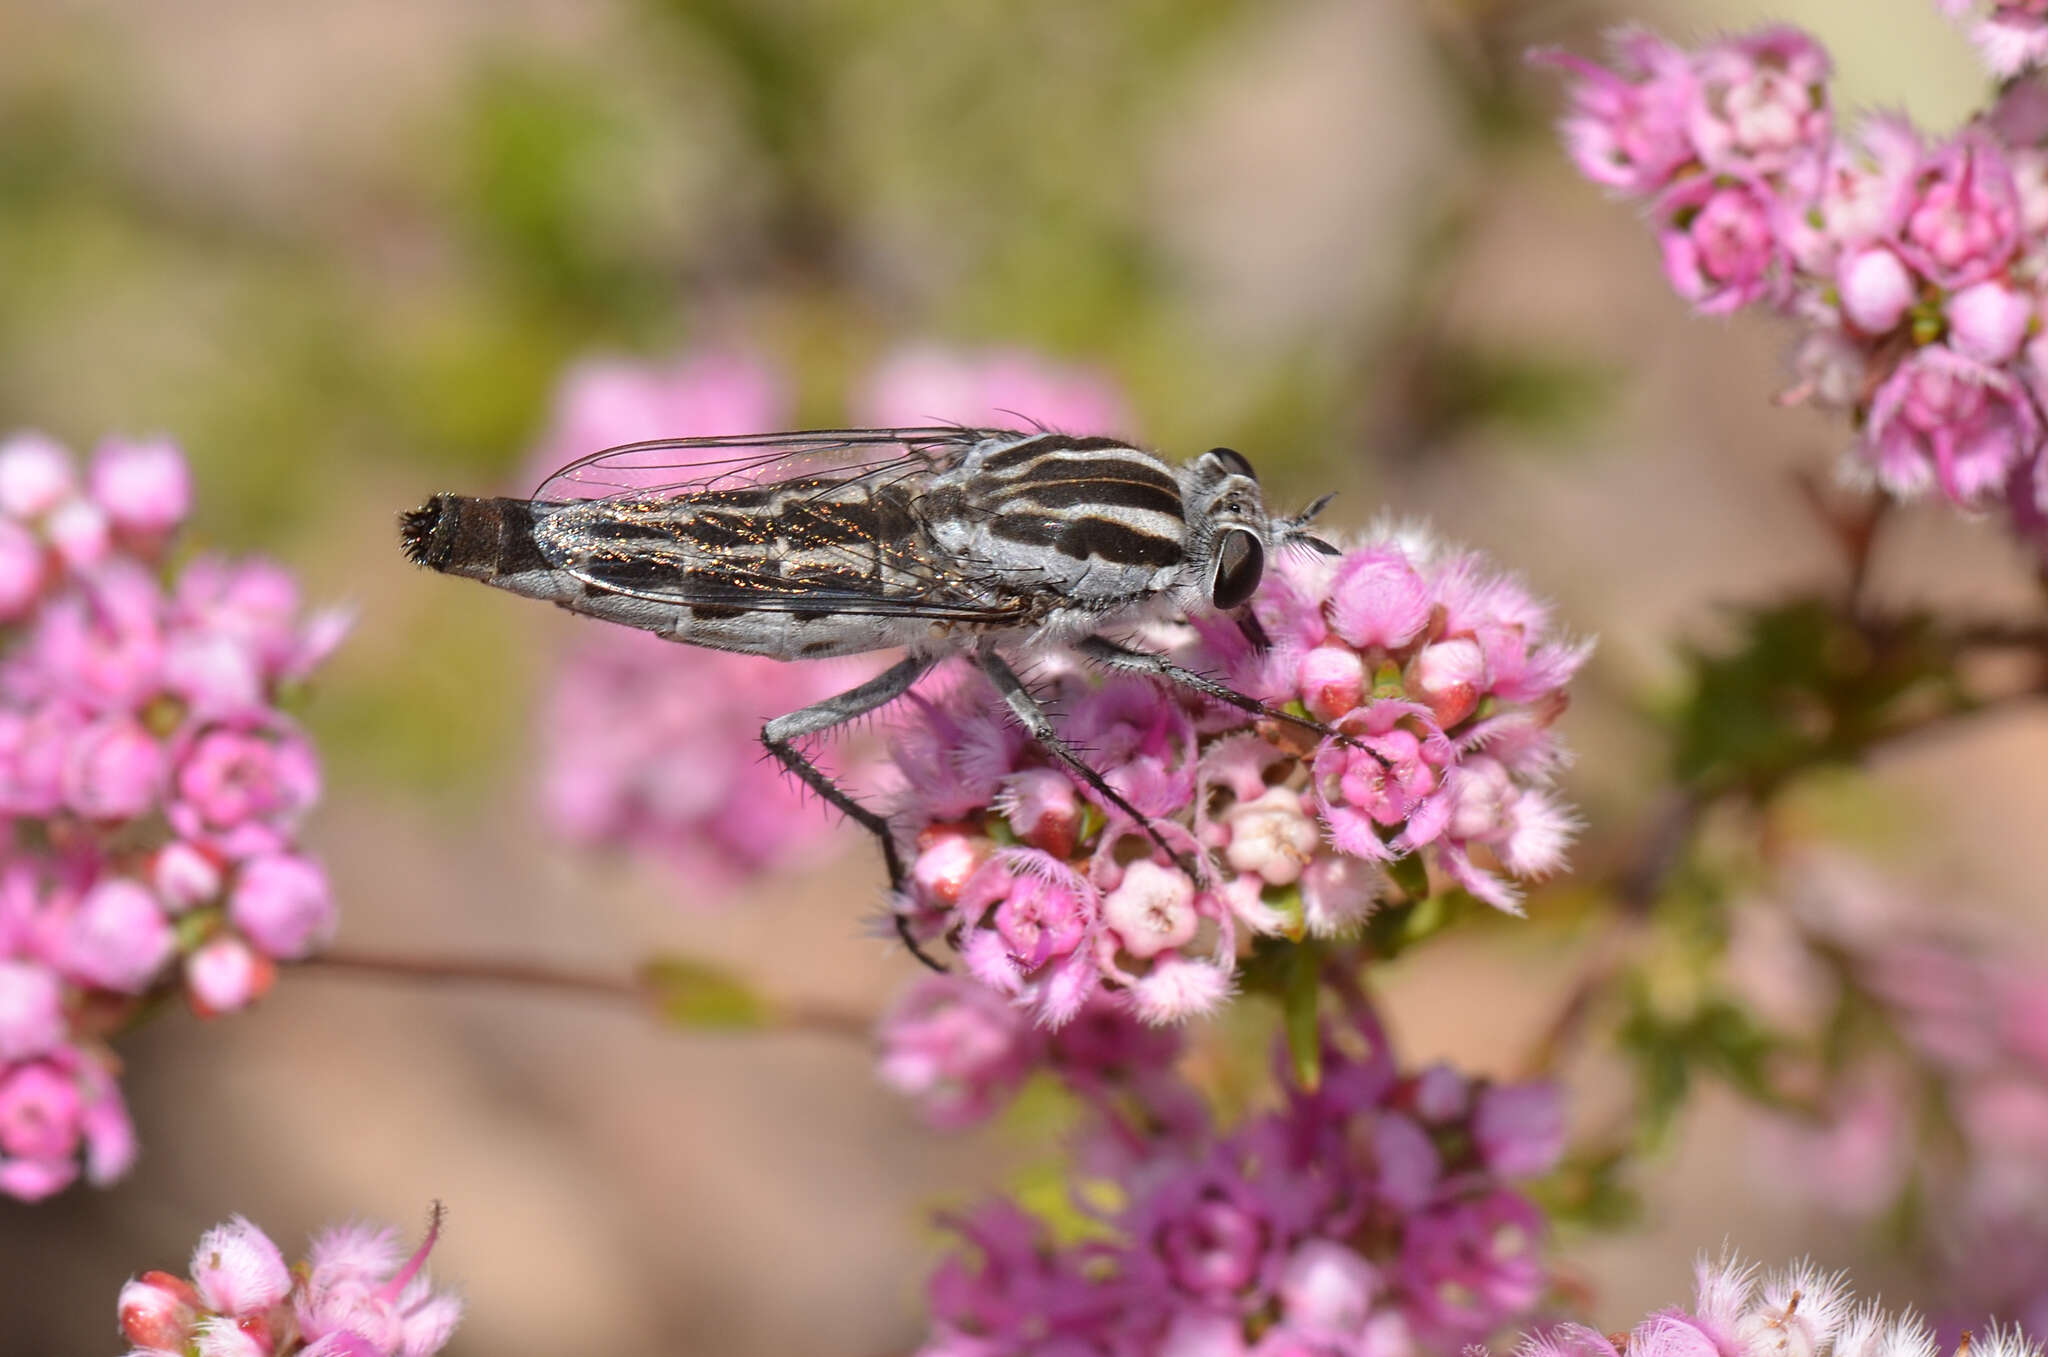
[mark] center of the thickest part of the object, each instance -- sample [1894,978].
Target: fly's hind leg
[780,735]
[1027,711]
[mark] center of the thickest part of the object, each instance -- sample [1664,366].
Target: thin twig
[1636,886]
[792,1015]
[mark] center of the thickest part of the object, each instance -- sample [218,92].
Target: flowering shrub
[1913,263]
[355,1295]
[152,784]
[1803,1310]
[1370,1214]
[1445,679]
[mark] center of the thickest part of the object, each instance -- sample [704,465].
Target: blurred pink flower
[2011,35]
[356,1295]
[1335,1221]
[997,388]
[129,709]
[1628,127]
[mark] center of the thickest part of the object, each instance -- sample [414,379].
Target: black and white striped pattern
[1086,497]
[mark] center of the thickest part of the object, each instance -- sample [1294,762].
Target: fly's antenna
[1294,531]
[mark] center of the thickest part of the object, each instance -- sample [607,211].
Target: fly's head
[1230,532]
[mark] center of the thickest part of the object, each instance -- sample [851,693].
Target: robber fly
[988,543]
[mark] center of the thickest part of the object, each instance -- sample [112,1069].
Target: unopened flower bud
[143,486]
[35,475]
[226,974]
[31,1011]
[1327,1286]
[1441,1094]
[1876,288]
[22,569]
[118,937]
[1988,321]
[1042,808]
[946,856]
[158,1311]
[184,876]
[1332,681]
[282,904]
[80,532]
[1448,676]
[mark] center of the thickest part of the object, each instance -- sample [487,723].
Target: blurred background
[345,253]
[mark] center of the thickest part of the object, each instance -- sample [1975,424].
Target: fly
[941,541]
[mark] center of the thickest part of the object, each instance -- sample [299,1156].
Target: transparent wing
[677,466]
[687,521]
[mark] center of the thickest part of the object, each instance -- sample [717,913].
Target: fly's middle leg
[779,737]
[1025,708]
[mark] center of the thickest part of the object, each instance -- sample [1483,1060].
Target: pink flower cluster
[1798,1312]
[2011,35]
[151,787]
[1943,1099]
[1371,1218]
[652,747]
[961,1051]
[356,1295]
[1915,263]
[1445,679]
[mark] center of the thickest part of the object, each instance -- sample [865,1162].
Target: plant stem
[793,1015]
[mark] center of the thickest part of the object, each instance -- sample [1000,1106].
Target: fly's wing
[688,521]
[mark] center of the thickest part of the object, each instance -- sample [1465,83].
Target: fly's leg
[1122,658]
[1033,718]
[780,735]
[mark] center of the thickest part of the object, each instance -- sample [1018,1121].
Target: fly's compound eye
[1232,461]
[1240,561]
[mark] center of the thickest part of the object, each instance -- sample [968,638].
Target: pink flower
[1760,102]
[1628,126]
[1857,195]
[356,1295]
[1378,600]
[957,1048]
[281,903]
[1946,419]
[54,1108]
[359,1287]
[1963,221]
[117,937]
[1720,246]
[1520,1129]
[144,486]
[184,875]
[1472,1266]
[241,786]
[2011,37]
[1001,388]
[115,771]
[238,1271]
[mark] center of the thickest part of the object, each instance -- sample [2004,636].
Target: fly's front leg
[1126,660]
[1033,718]
[780,735]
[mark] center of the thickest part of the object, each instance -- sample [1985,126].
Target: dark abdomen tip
[481,538]
[420,533]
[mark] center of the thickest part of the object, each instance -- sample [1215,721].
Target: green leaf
[693,993]
[1300,1003]
[1410,873]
